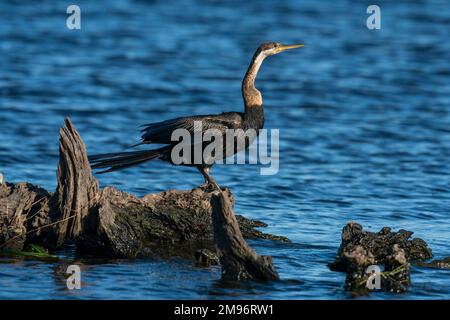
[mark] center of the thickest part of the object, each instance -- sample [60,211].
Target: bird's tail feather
[122,160]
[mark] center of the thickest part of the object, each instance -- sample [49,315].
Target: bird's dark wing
[161,132]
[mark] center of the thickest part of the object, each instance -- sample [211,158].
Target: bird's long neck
[252,97]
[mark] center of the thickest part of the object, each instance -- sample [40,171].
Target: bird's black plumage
[161,132]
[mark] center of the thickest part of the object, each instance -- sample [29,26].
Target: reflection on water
[363,117]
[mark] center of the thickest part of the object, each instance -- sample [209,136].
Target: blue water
[364,119]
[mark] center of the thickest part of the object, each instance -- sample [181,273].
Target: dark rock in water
[206,258]
[378,260]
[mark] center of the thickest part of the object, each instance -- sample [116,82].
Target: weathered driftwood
[392,251]
[77,189]
[206,258]
[239,261]
[109,222]
[22,206]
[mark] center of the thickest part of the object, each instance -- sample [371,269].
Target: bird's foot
[210,186]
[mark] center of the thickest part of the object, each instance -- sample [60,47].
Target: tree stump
[111,222]
[77,190]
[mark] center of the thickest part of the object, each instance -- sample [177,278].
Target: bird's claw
[210,186]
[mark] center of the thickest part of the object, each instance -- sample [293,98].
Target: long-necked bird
[161,132]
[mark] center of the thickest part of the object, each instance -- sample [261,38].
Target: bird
[161,132]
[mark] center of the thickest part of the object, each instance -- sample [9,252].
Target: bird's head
[271,48]
[252,97]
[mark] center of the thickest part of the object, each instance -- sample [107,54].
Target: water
[363,116]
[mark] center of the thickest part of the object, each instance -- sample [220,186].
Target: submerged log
[108,222]
[443,263]
[392,252]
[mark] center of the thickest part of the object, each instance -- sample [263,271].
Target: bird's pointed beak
[287,47]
